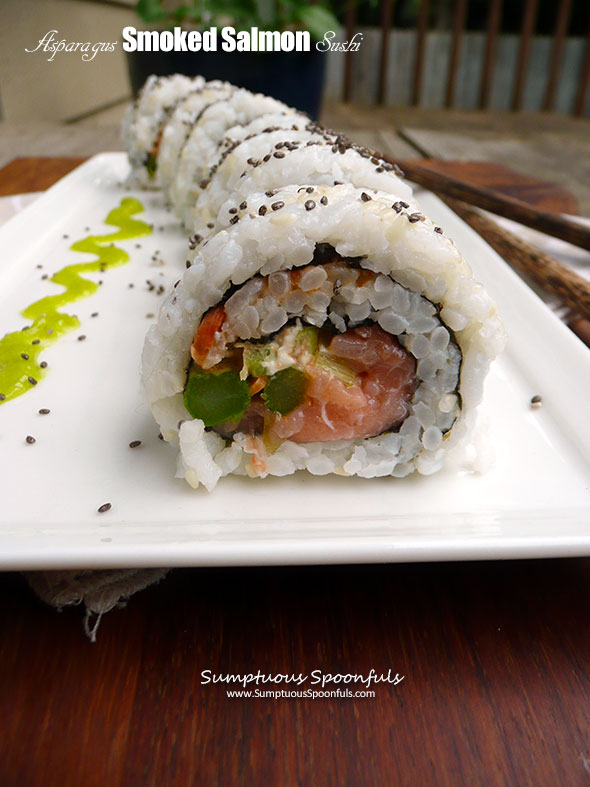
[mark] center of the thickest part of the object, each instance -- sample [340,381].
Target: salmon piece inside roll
[261,367]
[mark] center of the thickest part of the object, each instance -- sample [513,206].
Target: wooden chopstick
[502,205]
[551,275]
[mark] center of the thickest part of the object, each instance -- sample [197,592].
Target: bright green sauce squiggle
[20,369]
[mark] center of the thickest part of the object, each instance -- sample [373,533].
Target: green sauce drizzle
[19,374]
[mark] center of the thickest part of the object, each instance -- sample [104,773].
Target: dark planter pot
[296,78]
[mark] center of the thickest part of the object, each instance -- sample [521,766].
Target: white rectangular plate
[535,501]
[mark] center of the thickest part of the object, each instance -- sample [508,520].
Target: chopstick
[502,205]
[551,275]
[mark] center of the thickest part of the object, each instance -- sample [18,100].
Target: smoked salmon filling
[311,355]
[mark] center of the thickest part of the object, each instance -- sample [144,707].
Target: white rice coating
[316,164]
[178,127]
[199,150]
[394,241]
[249,154]
[143,120]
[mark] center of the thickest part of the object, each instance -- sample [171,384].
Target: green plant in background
[242,14]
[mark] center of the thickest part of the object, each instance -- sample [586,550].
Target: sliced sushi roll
[264,165]
[200,148]
[243,133]
[252,151]
[178,127]
[328,330]
[145,119]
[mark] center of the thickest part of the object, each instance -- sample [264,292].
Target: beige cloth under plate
[99,591]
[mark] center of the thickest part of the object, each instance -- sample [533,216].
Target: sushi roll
[180,123]
[144,122]
[254,150]
[268,161]
[199,150]
[328,329]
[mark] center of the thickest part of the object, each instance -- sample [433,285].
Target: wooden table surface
[495,658]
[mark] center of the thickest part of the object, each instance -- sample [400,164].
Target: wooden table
[495,658]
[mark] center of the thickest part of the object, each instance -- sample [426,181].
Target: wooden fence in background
[459,16]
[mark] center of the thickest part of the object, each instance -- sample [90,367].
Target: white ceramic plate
[535,501]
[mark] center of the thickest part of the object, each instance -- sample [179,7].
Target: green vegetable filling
[330,363]
[255,357]
[216,398]
[151,165]
[286,390]
[308,339]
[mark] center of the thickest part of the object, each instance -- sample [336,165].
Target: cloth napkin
[100,591]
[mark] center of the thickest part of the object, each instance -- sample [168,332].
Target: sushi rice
[145,120]
[180,124]
[199,150]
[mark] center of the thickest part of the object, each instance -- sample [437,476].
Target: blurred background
[507,55]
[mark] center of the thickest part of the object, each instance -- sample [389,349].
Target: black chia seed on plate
[104,507]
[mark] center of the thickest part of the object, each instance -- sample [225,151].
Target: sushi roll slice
[327,329]
[144,122]
[179,125]
[267,162]
[199,150]
[253,151]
